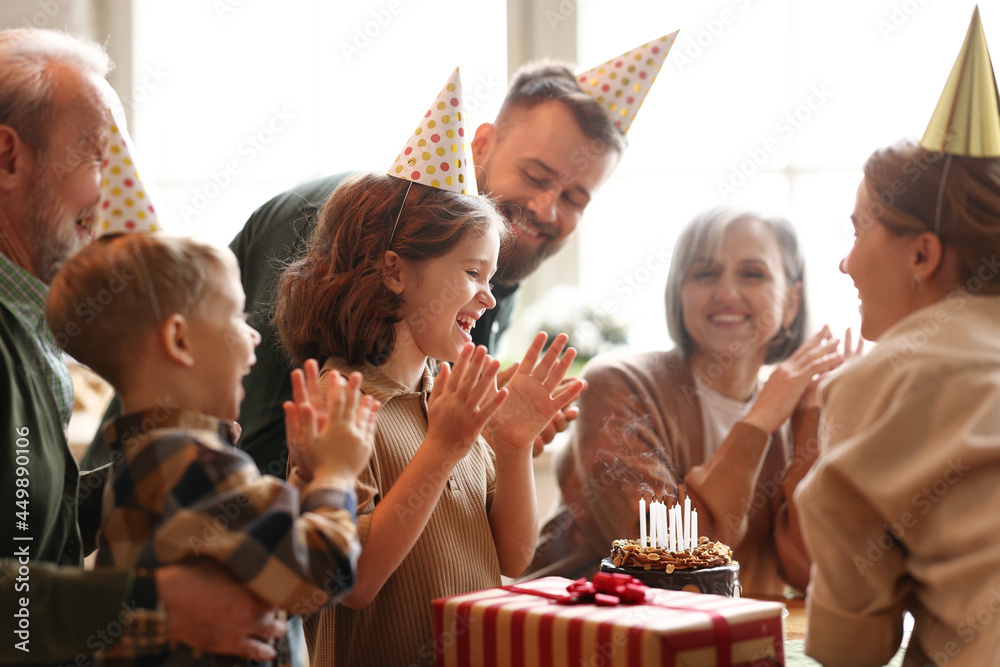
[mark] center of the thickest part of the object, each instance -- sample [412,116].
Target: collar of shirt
[718,414]
[376,383]
[24,296]
[119,430]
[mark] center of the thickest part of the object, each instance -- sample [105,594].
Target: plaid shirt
[180,489]
[24,296]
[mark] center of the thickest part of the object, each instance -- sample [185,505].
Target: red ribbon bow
[606,590]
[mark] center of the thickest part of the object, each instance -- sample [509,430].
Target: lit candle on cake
[653,528]
[672,533]
[687,523]
[662,518]
[675,535]
[642,521]
[680,527]
[683,526]
[675,516]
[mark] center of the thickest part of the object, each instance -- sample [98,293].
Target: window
[772,106]
[236,101]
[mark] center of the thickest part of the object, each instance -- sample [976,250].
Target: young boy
[162,319]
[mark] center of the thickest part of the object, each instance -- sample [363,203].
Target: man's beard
[52,241]
[518,261]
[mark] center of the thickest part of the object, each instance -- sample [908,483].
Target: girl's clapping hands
[463,400]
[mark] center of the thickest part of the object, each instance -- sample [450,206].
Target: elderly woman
[902,512]
[695,421]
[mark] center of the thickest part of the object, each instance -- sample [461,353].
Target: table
[795,635]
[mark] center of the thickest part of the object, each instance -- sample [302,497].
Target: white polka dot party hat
[621,84]
[126,202]
[437,153]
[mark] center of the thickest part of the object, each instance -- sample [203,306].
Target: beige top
[640,431]
[902,511]
[455,553]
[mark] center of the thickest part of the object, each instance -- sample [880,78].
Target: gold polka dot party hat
[621,84]
[437,153]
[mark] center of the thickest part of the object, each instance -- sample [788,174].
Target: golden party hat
[621,84]
[126,202]
[437,153]
[967,118]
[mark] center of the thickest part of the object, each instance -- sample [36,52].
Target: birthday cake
[707,568]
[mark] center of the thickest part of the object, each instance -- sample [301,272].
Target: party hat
[967,118]
[126,202]
[621,84]
[438,152]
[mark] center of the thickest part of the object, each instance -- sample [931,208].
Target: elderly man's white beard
[51,240]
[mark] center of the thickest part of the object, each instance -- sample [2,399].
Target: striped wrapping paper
[510,627]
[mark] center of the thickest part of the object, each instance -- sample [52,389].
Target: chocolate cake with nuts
[708,568]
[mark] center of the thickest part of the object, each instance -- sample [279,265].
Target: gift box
[531,624]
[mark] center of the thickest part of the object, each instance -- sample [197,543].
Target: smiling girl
[396,276]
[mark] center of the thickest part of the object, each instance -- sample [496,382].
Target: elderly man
[54,124]
[550,148]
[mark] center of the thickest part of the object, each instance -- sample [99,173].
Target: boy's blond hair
[108,296]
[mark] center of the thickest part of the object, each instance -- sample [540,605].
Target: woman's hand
[536,394]
[810,397]
[852,354]
[793,383]
[463,400]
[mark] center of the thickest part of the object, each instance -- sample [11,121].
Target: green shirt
[68,613]
[43,497]
[24,296]
[35,458]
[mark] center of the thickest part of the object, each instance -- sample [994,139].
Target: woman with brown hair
[901,511]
